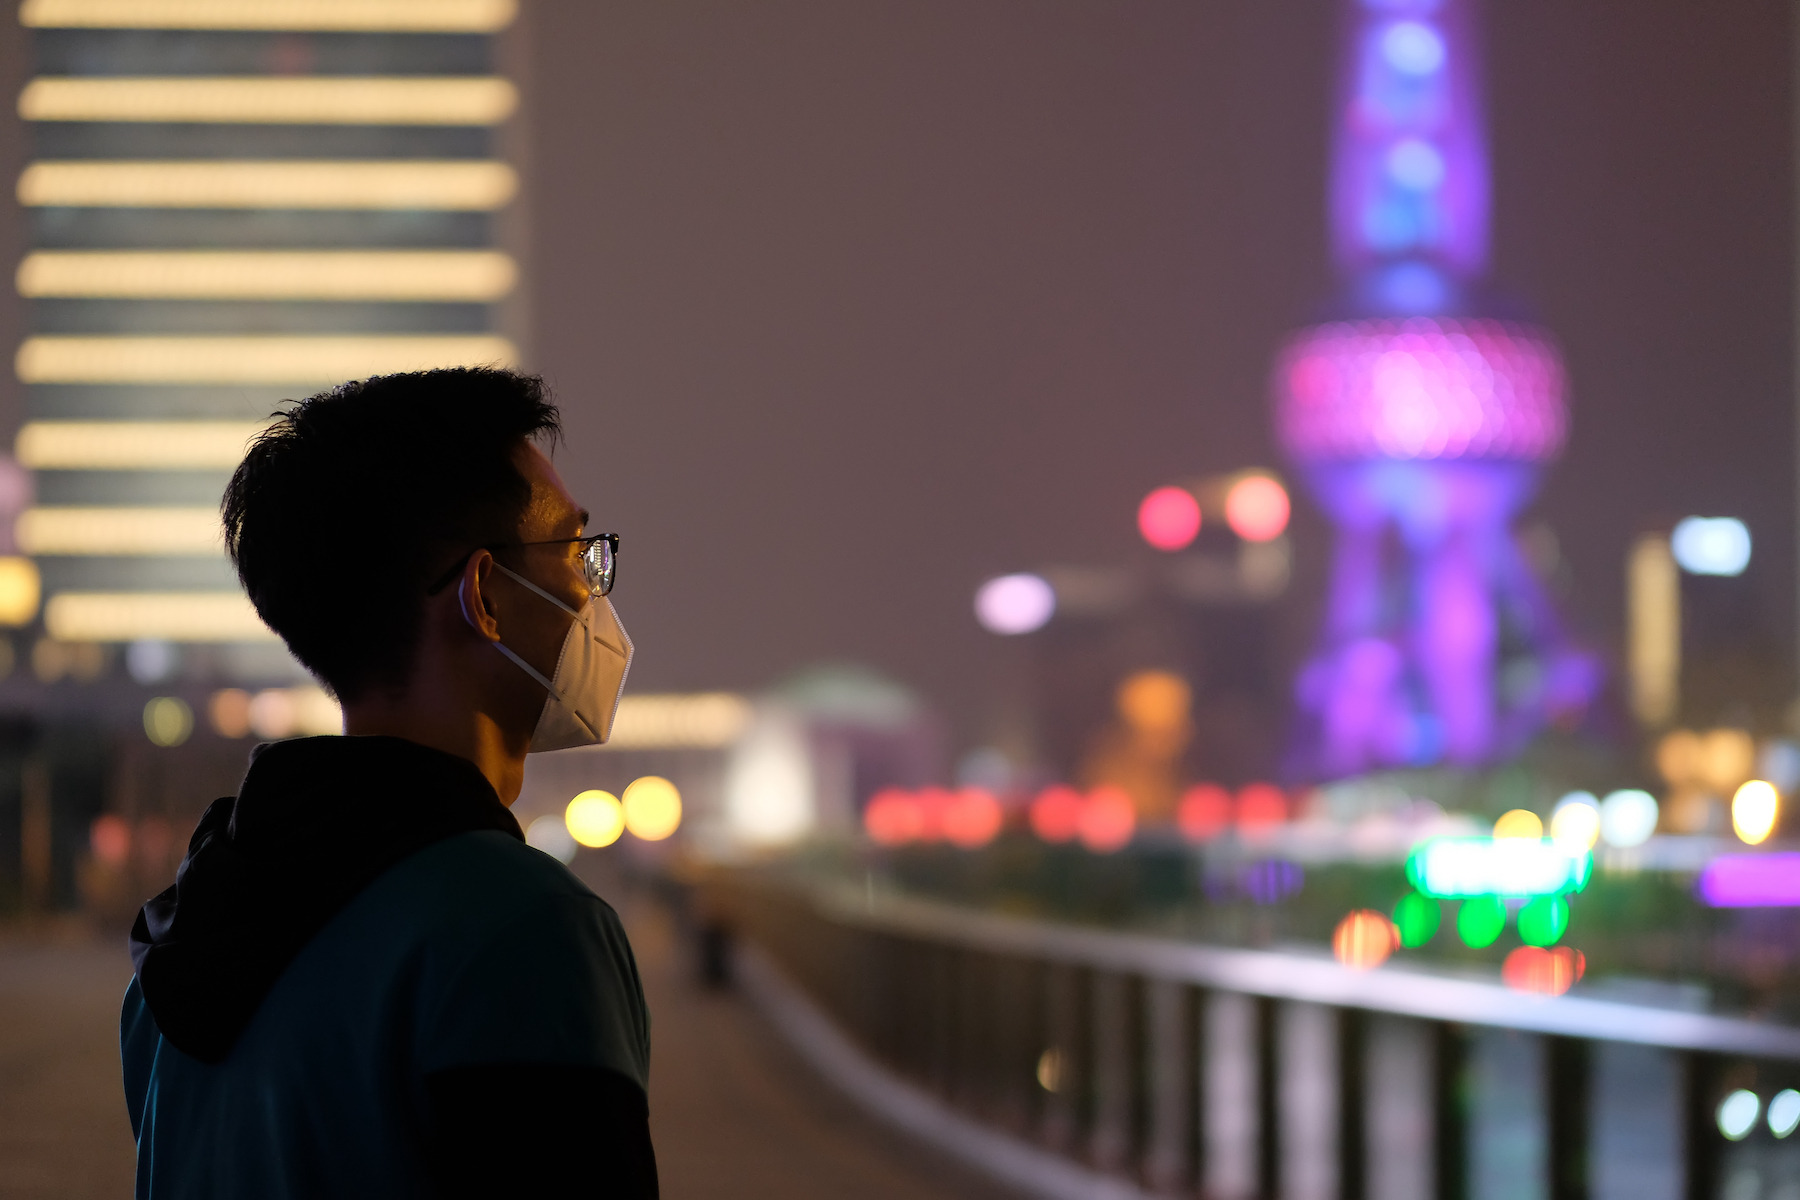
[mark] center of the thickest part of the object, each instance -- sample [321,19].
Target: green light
[1480,921]
[1418,918]
[1543,920]
[1452,868]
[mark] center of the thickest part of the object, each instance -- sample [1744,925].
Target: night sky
[851,305]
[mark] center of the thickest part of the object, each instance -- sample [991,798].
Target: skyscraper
[231,203]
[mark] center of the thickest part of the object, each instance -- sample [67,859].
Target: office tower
[232,203]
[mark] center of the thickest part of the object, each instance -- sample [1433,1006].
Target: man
[364,982]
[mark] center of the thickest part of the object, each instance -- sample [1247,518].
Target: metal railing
[1186,1069]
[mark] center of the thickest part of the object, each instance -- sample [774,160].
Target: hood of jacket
[315,821]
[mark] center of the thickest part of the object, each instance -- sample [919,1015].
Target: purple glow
[1421,388]
[1751,881]
[1411,154]
[1421,428]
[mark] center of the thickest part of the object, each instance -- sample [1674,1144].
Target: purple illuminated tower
[1421,418]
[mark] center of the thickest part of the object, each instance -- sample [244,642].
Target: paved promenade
[733,1112]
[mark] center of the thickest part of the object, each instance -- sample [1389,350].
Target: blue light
[1711,546]
[1413,48]
[1415,165]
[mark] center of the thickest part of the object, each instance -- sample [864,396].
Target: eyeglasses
[599,561]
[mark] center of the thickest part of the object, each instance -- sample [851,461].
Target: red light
[1257,508]
[973,818]
[1108,819]
[1261,806]
[1364,939]
[1169,518]
[110,838]
[1204,812]
[893,818]
[1543,972]
[933,803]
[1056,814]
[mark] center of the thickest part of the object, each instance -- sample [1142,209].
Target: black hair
[344,510]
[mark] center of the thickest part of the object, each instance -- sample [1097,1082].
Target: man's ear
[471,594]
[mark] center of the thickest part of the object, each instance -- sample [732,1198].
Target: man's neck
[464,733]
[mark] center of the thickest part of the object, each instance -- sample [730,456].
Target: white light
[451,185]
[1628,818]
[171,616]
[86,532]
[1575,823]
[1476,866]
[281,360]
[411,16]
[1412,48]
[1711,546]
[134,445]
[1416,165]
[1015,604]
[272,100]
[431,275]
[1737,1114]
[550,833]
[769,790]
[704,720]
[1784,1112]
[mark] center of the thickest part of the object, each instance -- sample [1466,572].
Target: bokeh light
[892,817]
[1754,810]
[109,837]
[972,818]
[595,818]
[1543,920]
[652,808]
[1575,823]
[1204,812]
[1055,816]
[1154,701]
[550,833]
[933,803]
[1257,508]
[1108,820]
[1480,920]
[1417,918]
[1450,867]
[1363,940]
[1519,823]
[229,712]
[273,714]
[1737,1114]
[1261,807]
[1421,388]
[1543,972]
[1628,818]
[1169,518]
[1271,880]
[168,720]
[1413,48]
[1015,604]
[1784,1112]
[1711,546]
[1751,881]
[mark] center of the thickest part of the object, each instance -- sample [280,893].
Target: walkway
[734,1113]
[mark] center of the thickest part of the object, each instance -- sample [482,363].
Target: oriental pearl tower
[1421,416]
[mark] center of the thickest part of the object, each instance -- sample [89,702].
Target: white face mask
[589,678]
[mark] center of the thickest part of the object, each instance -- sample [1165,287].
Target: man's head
[343,513]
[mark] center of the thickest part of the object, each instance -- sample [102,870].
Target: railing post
[1060,1068]
[1306,1049]
[1636,1140]
[1169,1068]
[1110,1142]
[1399,1070]
[1231,1107]
[1509,1142]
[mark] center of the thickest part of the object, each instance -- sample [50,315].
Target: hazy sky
[854,304]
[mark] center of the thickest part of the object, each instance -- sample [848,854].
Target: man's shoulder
[484,875]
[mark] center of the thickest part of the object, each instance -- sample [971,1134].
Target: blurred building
[228,205]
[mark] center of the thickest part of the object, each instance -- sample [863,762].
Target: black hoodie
[315,823]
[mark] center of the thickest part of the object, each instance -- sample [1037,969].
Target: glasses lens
[600,567]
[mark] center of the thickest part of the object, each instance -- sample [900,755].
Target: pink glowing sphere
[972,818]
[1108,819]
[1257,508]
[1421,389]
[1055,816]
[1169,518]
